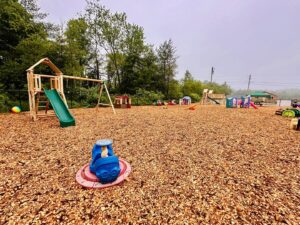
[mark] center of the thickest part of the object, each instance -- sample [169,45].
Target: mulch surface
[211,165]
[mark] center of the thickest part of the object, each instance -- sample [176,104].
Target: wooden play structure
[122,102]
[40,98]
[209,97]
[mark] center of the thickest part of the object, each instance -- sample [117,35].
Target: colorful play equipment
[295,103]
[208,97]
[16,109]
[40,98]
[122,102]
[186,100]
[105,169]
[244,102]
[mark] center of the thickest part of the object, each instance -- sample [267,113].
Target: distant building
[263,97]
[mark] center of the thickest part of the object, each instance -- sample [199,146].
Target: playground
[210,165]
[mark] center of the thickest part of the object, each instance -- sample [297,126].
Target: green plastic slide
[61,110]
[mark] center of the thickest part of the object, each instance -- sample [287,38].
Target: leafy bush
[195,97]
[3,103]
[144,97]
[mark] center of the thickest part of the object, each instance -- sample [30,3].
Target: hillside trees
[99,44]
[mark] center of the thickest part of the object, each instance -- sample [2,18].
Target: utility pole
[211,74]
[249,83]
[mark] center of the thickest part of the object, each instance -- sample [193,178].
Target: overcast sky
[237,37]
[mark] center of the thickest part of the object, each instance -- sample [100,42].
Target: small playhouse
[122,102]
[186,100]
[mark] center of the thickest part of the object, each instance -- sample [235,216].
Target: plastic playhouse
[122,102]
[186,100]
[105,169]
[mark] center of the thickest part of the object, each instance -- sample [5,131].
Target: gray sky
[237,37]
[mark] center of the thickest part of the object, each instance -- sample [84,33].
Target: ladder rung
[45,115]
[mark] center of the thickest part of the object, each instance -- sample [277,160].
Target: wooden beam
[71,77]
[44,75]
[82,78]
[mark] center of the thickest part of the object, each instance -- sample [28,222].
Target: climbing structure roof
[47,62]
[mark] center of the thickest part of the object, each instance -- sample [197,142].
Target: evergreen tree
[167,63]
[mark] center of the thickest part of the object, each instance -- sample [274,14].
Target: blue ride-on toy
[105,165]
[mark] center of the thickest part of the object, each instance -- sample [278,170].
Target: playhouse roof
[187,97]
[261,94]
[47,62]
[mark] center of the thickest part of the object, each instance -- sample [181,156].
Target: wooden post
[100,94]
[61,84]
[29,93]
[112,106]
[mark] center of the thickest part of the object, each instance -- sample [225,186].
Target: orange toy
[192,107]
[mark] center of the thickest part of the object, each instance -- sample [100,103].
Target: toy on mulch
[192,107]
[295,124]
[172,102]
[105,169]
[157,103]
[293,112]
[279,112]
[16,109]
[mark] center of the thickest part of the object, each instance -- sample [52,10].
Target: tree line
[98,44]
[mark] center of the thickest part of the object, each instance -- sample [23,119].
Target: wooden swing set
[37,99]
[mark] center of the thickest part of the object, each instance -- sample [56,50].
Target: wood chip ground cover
[212,165]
